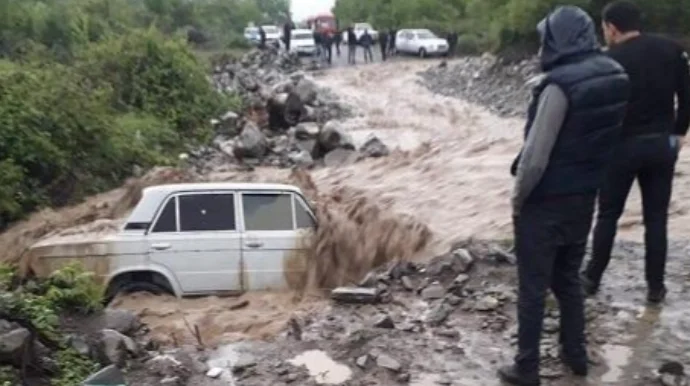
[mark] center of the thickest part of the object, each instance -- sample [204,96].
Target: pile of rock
[287,119]
[505,89]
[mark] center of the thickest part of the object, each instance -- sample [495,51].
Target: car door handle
[254,244]
[160,246]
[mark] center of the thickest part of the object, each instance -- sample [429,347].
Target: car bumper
[304,50]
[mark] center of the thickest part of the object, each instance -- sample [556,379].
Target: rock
[171,381]
[433,291]
[387,362]
[308,146]
[251,143]
[438,314]
[122,321]
[362,361]
[450,264]
[356,295]
[109,375]
[373,147]
[227,124]
[79,344]
[306,90]
[301,158]
[164,366]
[407,283]
[13,345]
[114,348]
[551,325]
[332,137]
[384,321]
[306,131]
[243,363]
[340,157]
[673,374]
[487,303]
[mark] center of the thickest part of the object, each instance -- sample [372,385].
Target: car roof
[205,186]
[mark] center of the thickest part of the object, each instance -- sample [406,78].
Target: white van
[302,42]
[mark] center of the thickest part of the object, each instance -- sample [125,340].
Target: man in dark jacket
[391,43]
[337,41]
[327,43]
[287,34]
[262,38]
[653,133]
[351,46]
[383,42]
[367,41]
[574,120]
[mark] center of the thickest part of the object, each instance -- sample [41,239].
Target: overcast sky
[301,9]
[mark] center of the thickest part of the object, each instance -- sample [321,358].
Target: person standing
[327,43]
[653,133]
[452,43]
[318,43]
[351,46]
[383,42]
[367,41]
[337,41]
[391,44]
[573,121]
[287,34]
[262,38]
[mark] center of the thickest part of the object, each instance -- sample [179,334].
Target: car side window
[167,221]
[303,218]
[267,212]
[207,212]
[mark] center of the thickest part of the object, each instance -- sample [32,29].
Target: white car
[195,239]
[302,42]
[252,35]
[420,42]
[273,33]
[359,29]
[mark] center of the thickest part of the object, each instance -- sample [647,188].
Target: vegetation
[495,24]
[89,89]
[40,302]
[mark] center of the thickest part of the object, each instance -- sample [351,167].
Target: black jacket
[597,88]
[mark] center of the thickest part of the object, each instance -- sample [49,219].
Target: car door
[276,229]
[196,237]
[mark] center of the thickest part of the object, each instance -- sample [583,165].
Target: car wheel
[131,287]
[422,53]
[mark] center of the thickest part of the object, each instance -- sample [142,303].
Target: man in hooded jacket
[574,120]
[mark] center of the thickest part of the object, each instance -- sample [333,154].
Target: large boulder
[306,89]
[374,147]
[251,143]
[332,137]
[114,348]
[14,340]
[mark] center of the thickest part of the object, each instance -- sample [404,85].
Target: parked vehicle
[420,42]
[252,35]
[273,33]
[359,29]
[323,23]
[193,239]
[302,42]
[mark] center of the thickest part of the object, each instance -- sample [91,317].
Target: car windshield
[302,36]
[426,35]
[269,29]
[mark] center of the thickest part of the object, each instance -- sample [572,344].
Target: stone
[433,291]
[332,137]
[340,157]
[551,325]
[251,143]
[243,363]
[438,314]
[387,362]
[301,158]
[306,131]
[362,361]
[450,264]
[374,147]
[487,303]
[306,89]
[227,124]
[407,283]
[79,344]
[164,365]
[109,375]
[13,344]
[122,321]
[171,381]
[384,321]
[114,348]
[356,295]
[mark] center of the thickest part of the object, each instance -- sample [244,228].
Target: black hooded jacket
[597,89]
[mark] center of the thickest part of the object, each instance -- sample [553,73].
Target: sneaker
[513,376]
[589,287]
[656,296]
[578,367]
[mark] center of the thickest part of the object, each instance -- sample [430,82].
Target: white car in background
[252,35]
[359,29]
[302,42]
[273,33]
[420,42]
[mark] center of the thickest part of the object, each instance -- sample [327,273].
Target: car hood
[436,42]
[303,42]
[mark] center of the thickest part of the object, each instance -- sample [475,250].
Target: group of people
[325,43]
[598,120]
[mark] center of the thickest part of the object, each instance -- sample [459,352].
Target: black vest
[597,89]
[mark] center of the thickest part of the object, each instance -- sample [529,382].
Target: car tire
[422,53]
[131,287]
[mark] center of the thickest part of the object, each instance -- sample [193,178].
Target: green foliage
[73,288]
[8,276]
[74,368]
[496,24]
[9,376]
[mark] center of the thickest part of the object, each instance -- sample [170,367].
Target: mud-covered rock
[113,347]
[332,136]
[122,321]
[374,147]
[251,143]
[14,341]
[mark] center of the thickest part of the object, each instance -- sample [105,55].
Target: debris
[356,295]
[387,362]
[433,291]
[384,321]
[214,372]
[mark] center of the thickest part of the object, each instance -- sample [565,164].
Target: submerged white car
[302,42]
[420,42]
[195,239]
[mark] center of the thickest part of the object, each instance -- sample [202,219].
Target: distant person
[367,41]
[653,133]
[391,44]
[337,41]
[318,43]
[573,124]
[327,44]
[383,42]
[351,46]
[262,38]
[287,34]
[452,43]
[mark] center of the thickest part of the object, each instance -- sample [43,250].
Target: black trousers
[550,241]
[368,55]
[351,53]
[384,52]
[651,160]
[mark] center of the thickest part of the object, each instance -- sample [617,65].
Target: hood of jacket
[565,33]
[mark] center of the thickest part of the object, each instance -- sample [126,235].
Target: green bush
[73,288]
